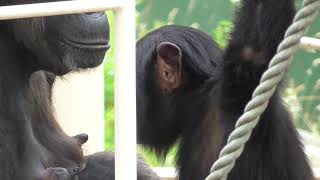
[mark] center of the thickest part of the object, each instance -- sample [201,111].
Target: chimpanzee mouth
[96,46]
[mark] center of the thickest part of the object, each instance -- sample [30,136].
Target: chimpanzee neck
[18,155]
[202,138]
[194,107]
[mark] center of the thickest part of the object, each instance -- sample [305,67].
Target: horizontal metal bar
[57,8]
[310,43]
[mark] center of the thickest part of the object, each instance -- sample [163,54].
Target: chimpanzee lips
[99,45]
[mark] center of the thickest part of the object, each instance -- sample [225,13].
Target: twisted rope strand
[262,94]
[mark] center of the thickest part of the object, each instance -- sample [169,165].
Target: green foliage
[222,33]
[109,67]
[304,98]
[109,124]
[109,81]
[154,161]
[109,89]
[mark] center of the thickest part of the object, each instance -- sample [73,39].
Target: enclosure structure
[125,104]
[125,90]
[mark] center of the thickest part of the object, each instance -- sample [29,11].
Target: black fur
[99,166]
[216,86]
[29,142]
[59,148]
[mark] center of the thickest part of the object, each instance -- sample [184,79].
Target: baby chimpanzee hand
[56,173]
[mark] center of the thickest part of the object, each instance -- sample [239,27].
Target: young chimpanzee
[190,92]
[99,166]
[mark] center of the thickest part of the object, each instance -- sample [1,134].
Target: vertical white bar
[125,93]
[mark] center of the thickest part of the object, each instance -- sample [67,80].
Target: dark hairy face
[62,43]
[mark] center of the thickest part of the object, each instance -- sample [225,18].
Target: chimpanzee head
[61,43]
[174,64]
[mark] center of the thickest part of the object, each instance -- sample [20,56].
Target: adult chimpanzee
[33,146]
[189,91]
[99,166]
[57,44]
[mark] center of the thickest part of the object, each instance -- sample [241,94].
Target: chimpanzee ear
[168,66]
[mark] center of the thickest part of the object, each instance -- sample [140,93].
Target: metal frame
[125,71]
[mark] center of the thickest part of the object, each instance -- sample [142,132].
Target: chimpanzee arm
[274,150]
[259,27]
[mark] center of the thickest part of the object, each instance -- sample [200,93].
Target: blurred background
[302,94]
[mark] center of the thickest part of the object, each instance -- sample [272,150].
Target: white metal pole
[310,43]
[125,93]
[58,8]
